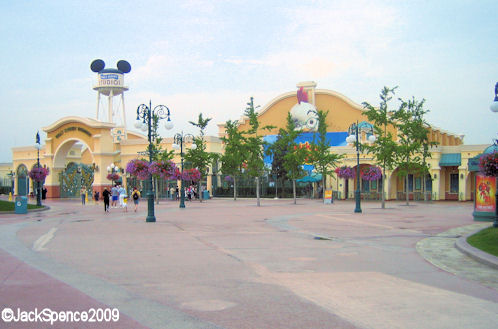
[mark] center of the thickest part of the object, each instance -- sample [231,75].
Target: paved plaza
[231,264]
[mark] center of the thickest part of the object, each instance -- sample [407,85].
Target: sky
[210,57]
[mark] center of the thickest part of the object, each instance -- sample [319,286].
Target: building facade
[78,151]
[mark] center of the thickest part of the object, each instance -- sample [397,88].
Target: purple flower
[488,164]
[39,174]
[345,172]
[371,173]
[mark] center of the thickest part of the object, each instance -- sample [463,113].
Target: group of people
[190,192]
[111,198]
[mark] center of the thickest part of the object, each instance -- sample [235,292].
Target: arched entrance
[22,180]
[72,176]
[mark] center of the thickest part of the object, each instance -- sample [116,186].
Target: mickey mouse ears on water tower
[98,65]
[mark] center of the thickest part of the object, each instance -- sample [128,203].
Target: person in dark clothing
[106,195]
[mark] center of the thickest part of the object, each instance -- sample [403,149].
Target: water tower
[110,83]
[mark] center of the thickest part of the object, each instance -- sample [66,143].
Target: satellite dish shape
[124,66]
[97,65]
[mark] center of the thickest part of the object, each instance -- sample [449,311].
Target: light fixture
[169,124]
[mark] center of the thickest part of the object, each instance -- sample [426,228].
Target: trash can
[205,195]
[21,205]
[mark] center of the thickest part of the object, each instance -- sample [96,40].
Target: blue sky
[211,56]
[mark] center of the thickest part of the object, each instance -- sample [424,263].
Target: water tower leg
[110,106]
[98,105]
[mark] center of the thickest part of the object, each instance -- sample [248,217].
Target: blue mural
[333,139]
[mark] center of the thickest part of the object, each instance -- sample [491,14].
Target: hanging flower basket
[138,169]
[191,175]
[345,172]
[371,173]
[488,164]
[164,170]
[228,179]
[113,177]
[39,174]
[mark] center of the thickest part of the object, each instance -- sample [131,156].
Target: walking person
[83,195]
[96,197]
[136,197]
[115,195]
[121,196]
[106,194]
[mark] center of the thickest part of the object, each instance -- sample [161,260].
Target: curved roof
[74,119]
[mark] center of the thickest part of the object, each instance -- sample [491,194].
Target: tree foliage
[324,161]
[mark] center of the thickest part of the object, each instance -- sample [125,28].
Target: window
[428,183]
[418,183]
[410,183]
[453,183]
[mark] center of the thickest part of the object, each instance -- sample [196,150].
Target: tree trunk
[199,192]
[323,187]
[294,190]
[156,190]
[407,191]
[383,197]
[257,191]
[234,188]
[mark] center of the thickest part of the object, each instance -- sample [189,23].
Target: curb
[477,254]
[29,210]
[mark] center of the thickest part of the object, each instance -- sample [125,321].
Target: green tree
[384,149]
[198,156]
[409,122]
[234,154]
[254,146]
[295,156]
[322,159]
[278,150]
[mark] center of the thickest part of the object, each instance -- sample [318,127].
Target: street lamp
[494,108]
[113,169]
[178,141]
[146,117]
[38,183]
[353,138]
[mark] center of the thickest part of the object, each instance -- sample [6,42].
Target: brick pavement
[231,264]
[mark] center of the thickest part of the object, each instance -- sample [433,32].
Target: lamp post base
[151,218]
[357,196]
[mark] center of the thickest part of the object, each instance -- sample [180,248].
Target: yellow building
[450,177]
[80,150]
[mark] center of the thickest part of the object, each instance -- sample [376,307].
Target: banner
[328,197]
[485,193]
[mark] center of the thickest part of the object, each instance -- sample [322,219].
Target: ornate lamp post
[38,183]
[353,138]
[178,141]
[146,117]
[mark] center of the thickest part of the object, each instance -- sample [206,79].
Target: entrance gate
[73,178]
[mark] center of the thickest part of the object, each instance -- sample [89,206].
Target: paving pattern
[230,264]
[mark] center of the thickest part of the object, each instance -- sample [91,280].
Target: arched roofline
[75,119]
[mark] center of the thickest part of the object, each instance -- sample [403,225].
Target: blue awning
[450,160]
[310,179]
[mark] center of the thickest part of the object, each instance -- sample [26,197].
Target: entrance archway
[74,175]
